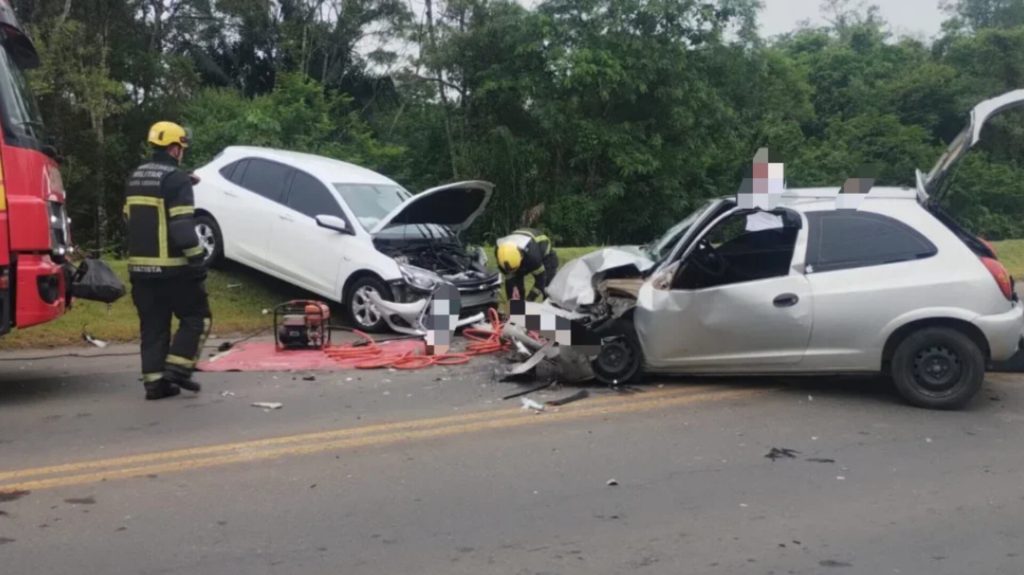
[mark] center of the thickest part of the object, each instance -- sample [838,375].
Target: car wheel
[361,312]
[210,239]
[620,360]
[938,368]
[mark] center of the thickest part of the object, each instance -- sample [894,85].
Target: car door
[866,270]
[254,198]
[750,311]
[301,250]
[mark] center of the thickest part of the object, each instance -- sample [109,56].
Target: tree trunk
[440,87]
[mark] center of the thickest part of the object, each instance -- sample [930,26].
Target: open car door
[930,187]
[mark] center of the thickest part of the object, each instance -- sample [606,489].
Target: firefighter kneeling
[165,262]
[527,252]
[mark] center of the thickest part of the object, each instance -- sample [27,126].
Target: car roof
[327,169]
[824,198]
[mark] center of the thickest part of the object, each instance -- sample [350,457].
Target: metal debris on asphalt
[529,391]
[777,453]
[531,404]
[268,405]
[613,482]
[581,394]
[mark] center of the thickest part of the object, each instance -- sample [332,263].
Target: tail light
[1001,276]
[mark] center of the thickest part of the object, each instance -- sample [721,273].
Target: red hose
[373,356]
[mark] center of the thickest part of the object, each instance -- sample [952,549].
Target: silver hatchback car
[825,283]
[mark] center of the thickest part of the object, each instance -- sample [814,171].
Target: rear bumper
[1004,332]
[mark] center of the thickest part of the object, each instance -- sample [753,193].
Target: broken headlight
[419,278]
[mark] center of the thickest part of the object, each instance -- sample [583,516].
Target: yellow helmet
[509,257]
[164,134]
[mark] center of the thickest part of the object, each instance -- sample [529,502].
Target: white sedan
[342,231]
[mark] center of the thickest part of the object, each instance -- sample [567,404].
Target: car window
[735,251]
[847,239]
[308,196]
[233,171]
[265,178]
[371,202]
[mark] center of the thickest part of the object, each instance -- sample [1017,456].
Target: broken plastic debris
[227,394]
[268,405]
[234,286]
[841,477]
[613,482]
[928,439]
[97,342]
[820,460]
[531,404]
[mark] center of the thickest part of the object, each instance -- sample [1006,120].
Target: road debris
[581,394]
[96,342]
[777,453]
[234,286]
[612,482]
[531,404]
[841,477]
[309,378]
[268,405]
[820,460]
[529,391]
[227,394]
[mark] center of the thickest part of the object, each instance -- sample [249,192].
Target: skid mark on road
[181,460]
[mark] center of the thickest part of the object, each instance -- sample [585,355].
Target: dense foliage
[613,116]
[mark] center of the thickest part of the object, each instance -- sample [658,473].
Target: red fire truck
[34,227]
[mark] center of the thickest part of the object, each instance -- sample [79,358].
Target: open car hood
[573,285]
[455,206]
[930,186]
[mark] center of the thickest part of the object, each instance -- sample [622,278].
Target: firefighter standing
[524,252]
[165,263]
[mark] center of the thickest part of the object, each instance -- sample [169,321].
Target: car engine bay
[447,258]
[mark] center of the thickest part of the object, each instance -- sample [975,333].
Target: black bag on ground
[95,281]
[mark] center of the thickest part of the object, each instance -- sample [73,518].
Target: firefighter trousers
[157,300]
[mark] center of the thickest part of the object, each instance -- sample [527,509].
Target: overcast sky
[906,17]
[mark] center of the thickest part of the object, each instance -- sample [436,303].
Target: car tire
[620,360]
[358,309]
[938,368]
[211,240]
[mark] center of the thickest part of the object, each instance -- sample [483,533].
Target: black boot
[182,378]
[160,389]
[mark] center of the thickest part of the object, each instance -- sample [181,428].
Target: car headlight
[420,278]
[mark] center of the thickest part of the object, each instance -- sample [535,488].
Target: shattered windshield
[662,247]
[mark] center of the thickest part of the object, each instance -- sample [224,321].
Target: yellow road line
[193,452]
[386,438]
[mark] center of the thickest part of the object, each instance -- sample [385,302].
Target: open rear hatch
[933,186]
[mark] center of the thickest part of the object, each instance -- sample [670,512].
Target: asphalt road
[432,473]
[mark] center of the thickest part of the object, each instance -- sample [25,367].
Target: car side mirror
[333,223]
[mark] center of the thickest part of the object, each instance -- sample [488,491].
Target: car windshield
[372,202]
[661,247]
[21,116]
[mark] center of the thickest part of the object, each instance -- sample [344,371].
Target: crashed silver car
[824,283]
